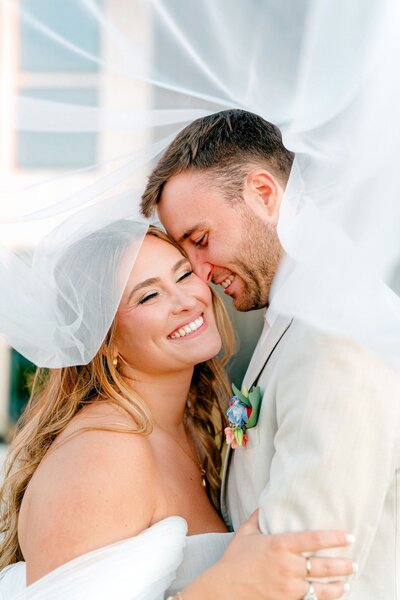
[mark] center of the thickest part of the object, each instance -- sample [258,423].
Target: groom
[326,450]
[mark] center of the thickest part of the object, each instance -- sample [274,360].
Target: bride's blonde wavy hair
[59,394]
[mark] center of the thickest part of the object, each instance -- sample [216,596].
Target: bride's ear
[106,351]
[265,193]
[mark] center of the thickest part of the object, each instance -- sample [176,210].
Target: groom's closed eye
[201,242]
[192,232]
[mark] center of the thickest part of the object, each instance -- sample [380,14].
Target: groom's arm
[336,447]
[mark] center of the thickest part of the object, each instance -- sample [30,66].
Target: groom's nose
[202,268]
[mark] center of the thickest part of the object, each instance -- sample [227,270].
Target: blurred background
[36,66]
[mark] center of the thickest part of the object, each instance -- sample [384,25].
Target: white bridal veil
[325,72]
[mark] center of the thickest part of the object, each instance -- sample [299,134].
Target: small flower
[237,413]
[229,437]
[240,436]
[235,437]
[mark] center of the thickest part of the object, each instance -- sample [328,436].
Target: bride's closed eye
[153,294]
[147,297]
[185,275]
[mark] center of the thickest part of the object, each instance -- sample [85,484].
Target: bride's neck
[165,394]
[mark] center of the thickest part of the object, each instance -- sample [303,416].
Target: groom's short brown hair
[223,145]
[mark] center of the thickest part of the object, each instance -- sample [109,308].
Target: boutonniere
[242,413]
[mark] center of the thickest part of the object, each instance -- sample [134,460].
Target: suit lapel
[224,508]
[261,356]
[264,350]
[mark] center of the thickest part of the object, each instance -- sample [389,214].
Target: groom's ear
[265,193]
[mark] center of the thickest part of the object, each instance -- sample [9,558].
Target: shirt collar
[270,317]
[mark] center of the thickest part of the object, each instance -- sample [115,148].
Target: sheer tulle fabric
[59,302]
[325,72]
[139,568]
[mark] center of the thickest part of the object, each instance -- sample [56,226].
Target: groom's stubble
[257,260]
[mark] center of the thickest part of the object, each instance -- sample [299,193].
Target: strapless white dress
[150,566]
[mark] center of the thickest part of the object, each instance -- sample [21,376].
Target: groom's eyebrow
[190,232]
[153,280]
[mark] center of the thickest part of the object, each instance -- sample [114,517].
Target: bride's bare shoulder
[94,487]
[99,436]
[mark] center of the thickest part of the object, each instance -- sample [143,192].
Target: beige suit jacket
[325,452]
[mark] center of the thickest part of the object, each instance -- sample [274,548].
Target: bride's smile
[186,330]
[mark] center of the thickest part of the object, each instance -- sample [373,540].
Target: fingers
[312,541]
[322,567]
[250,526]
[329,568]
[328,591]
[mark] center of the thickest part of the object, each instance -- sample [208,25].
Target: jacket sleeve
[337,441]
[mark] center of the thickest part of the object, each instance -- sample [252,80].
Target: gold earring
[115,361]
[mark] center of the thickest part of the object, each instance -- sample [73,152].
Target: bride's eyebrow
[153,280]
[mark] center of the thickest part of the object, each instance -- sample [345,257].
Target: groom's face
[229,243]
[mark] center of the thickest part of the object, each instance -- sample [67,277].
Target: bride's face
[165,321]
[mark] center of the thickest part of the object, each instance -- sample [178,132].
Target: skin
[110,486]
[225,239]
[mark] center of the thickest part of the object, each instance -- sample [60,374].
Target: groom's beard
[256,262]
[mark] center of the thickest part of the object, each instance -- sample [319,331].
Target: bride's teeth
[187,329]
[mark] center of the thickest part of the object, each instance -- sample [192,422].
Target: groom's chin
[246,303]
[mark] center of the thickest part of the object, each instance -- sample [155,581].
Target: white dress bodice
[200,552]
[151,566]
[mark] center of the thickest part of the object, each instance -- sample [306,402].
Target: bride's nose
[182,301]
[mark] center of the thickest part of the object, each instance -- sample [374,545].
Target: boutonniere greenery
[242,413]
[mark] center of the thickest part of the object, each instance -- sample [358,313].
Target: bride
[114,471]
